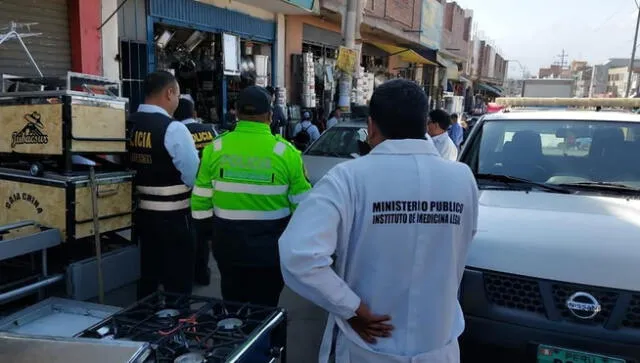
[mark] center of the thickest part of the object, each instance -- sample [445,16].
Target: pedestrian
[229,120]
[164,156]
[305,132]
[437,126]
[455,131]
[278,120]
[334,116]
[249,183]
[203,135]
[399,221]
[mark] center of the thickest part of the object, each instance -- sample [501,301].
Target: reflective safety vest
[202,135]
[159,185]
[249,183]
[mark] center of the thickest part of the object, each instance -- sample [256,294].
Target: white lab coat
[410,271]
[445,146]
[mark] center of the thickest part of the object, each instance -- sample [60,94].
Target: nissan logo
[583,305]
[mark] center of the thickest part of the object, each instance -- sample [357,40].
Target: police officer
[202,136]
[399,221]
[164,156]
[249,183]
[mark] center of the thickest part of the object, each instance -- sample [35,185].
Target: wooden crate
[64,201]
[62,123]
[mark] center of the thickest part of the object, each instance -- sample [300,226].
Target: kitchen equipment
[16,348]
[183,327]
[62,117]
[56,317]
[64,201]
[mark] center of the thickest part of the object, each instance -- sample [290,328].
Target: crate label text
[15,197]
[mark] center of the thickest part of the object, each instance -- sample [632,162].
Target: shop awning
[489,88]
[452,68]
[408,55]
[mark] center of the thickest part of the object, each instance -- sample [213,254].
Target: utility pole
[349,34]
[633,54]
[563,57]
[593,80]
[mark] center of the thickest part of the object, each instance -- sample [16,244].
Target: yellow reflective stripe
[202,192]
[251,214]
[163,191]
[221,186]
[163,206]
[296,199]
[202,214]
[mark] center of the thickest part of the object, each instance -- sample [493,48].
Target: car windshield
[581,153]
[337,141]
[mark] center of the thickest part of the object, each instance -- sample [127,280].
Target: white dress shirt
[396,249]
[445,146]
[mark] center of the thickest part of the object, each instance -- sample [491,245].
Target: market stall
[213,52]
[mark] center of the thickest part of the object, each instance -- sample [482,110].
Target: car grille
[632,318]
[607,300]
[514,292]
[526,294]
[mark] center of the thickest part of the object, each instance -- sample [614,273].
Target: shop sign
[431,23]
[32,133]
[305,4]
[346,59]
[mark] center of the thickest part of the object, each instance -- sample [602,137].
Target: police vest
[202,135]
[158,183]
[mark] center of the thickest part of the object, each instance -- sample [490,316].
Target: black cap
[254,100]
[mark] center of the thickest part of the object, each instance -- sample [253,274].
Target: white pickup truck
[554,270]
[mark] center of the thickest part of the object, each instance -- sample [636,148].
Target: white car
[335,145]
[554,270]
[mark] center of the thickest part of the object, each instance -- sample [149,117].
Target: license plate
[549,354]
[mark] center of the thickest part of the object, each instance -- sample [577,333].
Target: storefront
[213,52]
[51,48]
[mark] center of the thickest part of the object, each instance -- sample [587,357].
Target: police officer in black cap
[248,185]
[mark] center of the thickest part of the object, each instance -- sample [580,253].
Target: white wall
[110,46]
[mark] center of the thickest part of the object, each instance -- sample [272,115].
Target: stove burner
[230,323]
[190,358]
[167,313]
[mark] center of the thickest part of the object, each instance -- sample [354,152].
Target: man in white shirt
[437,126]
[398,221]
[333,118]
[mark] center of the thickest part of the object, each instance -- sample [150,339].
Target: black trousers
[167,252]
[255,285]
[202,255]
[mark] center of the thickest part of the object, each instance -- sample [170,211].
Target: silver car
[335,145]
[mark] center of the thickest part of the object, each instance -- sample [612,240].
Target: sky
[534,32]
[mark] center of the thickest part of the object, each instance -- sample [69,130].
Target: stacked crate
[363,90]
[308,81]
[49,138]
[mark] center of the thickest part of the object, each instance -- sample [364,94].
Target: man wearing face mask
[399,221]
[164,156]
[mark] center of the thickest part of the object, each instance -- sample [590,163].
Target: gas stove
[193,329]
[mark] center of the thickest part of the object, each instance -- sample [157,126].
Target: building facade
[69,36]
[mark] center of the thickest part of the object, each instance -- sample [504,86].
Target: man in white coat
[398,222]
[437,126]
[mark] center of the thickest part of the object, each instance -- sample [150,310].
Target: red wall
[85,16]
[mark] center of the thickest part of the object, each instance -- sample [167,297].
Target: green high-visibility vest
[249,174]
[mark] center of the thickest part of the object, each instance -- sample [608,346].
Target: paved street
[306,321]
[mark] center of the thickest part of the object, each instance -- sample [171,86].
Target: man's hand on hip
[370,326]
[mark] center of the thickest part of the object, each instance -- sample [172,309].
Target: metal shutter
[51,50]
